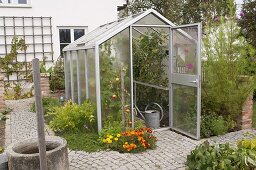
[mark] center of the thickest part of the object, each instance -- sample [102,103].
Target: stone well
[24,155]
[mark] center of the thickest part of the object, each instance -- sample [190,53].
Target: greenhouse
[142,67]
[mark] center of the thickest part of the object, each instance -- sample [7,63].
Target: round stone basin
[24,155]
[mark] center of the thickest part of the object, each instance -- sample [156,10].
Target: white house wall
[66,13]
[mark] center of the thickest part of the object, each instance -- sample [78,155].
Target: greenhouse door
[185,79]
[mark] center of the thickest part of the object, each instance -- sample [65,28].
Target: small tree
[247,21]
[184,11]
[225,56]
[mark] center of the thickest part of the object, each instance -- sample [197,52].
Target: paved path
[171,152]
[21,123]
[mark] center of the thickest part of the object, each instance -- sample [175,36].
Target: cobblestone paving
[170,154]
[172,148]
[21,123]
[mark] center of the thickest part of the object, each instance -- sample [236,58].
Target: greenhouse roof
[104,32]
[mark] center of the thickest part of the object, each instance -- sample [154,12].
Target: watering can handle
[138,110]
[160,107]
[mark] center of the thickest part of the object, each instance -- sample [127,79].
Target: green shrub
[73,117]
[212,124]
[48,104]
[229,69]
[221,157]
[247,144]
[219,126]
[57,79]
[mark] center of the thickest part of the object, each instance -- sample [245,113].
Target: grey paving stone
[171,152]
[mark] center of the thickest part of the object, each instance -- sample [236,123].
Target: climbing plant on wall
[8,63]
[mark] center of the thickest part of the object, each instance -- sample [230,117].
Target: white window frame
[72,29]
[15,4]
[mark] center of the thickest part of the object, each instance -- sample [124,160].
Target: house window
[15,3]
[65,38]
[22,2]
[78,33]
[70,34]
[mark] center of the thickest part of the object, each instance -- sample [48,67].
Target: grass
[254,114]
[83,141]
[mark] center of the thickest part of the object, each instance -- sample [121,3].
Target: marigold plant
[131,141]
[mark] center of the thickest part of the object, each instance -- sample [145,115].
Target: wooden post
[2,101]
[39,112]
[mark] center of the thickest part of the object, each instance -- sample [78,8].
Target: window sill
[15,6]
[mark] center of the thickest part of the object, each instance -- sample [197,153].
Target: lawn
[254,114]
[83,141]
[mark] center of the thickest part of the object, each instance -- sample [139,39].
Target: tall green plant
[227,81]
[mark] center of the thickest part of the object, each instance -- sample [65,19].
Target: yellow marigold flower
[109,141]
[116,139]
[110,137]
[126,143]
[118,135]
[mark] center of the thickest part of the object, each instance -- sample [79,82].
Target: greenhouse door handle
[195,81]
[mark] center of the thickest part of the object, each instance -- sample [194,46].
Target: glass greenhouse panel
[185,80]
[146,96]
[150,69]
[67,76]
[185,108]
[185,50]
[150,56]
[82,74]
[138,30]
[151,19]
[91,75]
[115,79]
[75,82]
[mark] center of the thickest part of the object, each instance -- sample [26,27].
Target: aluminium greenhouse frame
[174,78]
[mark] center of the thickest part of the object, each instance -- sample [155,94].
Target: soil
[2,133]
